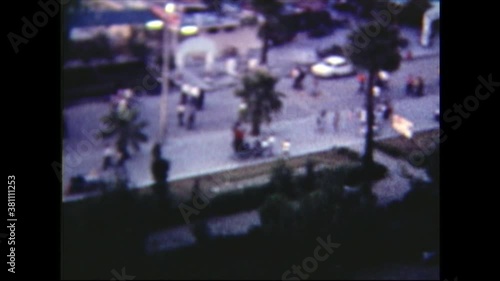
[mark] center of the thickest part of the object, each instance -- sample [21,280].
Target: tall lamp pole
[170,21]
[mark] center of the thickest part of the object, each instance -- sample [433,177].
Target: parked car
[332,66]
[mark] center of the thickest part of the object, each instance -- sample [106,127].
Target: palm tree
[124,125]
[260,98]
[270,9]
[380,52]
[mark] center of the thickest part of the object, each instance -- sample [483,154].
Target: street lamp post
[170,20]
[165,73]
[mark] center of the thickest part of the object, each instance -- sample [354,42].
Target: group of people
[191,100]
[382,112]
[415,86]
[298,75]
[321,121]
[260,147]
[381,82]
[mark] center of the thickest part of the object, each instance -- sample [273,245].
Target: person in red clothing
[362,80]
[238,137]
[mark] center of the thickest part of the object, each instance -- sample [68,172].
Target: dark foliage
[413,12]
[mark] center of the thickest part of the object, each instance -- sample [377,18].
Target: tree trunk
[368,156]
[255,127]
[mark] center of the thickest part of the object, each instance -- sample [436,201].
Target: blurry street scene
[203,127]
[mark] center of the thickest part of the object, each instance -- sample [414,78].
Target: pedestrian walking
[181,109]
[361,80]
[159,170]
[383,79]
[336,120]
[268,145]
[410,82]
[185,91]
[320,121]
[242,111]
[201,99]
[194,97]
[388,110]
[238,137]
[196,190]
[285,148]
[191,119]
[298,75]
[379,113]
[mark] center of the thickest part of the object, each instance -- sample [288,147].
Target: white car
[332,66]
